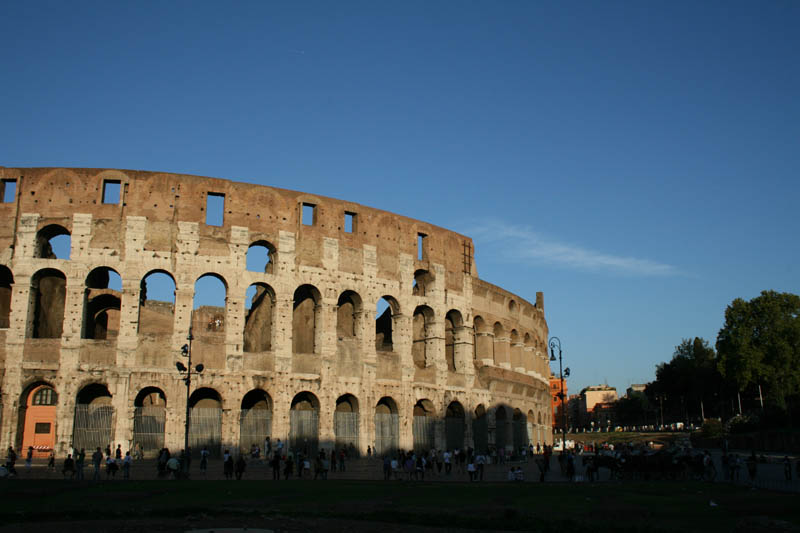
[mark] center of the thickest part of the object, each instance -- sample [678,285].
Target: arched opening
[348,307]
[516,350]
[149,420]
[480,430]
[259,306]
[53,242]
[101,304]
[452,321]
[304,319]
[482,342]
[454,426]
[424,426]
[260,257]
[421,327]
[6,282]
[501,356]
[205,421]
[255,419]
[387,427]
[520,427]
[500,429]
[48,297]
[527,354]
[304,424]
[210,295]
[94,418]
[37,419]
[157,303]
[345,422]
[423,283]
[385,310]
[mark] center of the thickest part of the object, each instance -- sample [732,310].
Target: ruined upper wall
[166,199]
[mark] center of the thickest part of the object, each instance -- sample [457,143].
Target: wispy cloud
[522,244]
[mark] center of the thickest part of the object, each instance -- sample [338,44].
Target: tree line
[753,371]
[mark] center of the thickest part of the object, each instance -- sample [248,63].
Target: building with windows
[318,321]
[556,403]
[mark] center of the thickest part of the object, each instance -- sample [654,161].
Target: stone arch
[423,283]
[346,422]
[53,242]
[157,303]
[261,257]
[94,418]
[387,309]
[259,321]
[454,426]
[205,427]
[255,419]
[209,304]
[501,347]
[516,350]
[102,301]
[480,430]
[149,420]
[387,427]
[6,284]
[421,327]
[37,418]
[307,304]
[304,424]
[482,341]
[46,309]
[347,311]
[452,321]
[424,425]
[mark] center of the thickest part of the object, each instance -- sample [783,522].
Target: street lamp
[186,351]
[562,372]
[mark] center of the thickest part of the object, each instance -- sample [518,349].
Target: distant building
[635,387]
[555,400]
[597,405]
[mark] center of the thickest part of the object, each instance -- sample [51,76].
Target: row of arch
[102,307]
[94,421]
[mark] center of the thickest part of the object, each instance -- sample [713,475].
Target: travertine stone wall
[497,339]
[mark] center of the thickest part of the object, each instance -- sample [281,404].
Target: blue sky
[636,161]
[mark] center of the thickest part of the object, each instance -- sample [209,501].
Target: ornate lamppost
[186,351]
[562,372]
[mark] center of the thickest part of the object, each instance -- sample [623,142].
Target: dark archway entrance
[149,420]
[94,418]
[255,420]
[304,424]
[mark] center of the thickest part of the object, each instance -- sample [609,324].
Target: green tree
[760,344]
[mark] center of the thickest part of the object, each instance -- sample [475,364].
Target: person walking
[204,453]
[126,466]
[97,460]
[69,467]
[29,459]
[80,460]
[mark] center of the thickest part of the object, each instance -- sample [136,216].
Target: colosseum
[317,321]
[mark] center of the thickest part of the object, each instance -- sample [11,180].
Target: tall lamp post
[562,372]
[186,351]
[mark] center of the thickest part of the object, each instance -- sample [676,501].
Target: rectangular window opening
[42,428]
[111,191]
[421,238]
[9,191]
[215,208]
[349,222]
[309,212]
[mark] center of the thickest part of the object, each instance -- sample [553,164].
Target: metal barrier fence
[387,429]
[424,433]
[92,428]
[304,431]
[345,427]
[148,427]
[255,425]
[205,430]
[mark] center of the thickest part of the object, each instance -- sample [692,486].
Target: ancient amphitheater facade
[355,326]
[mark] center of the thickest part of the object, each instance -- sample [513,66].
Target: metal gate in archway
[387,430]
[345,427]
[454,432]
[424,433]
[304,431]
[520,434]
[480,434]
[255,425]
[500,434]
[205,430]
[148,428]
[92,428]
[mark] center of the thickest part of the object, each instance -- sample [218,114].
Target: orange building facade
[556,405]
